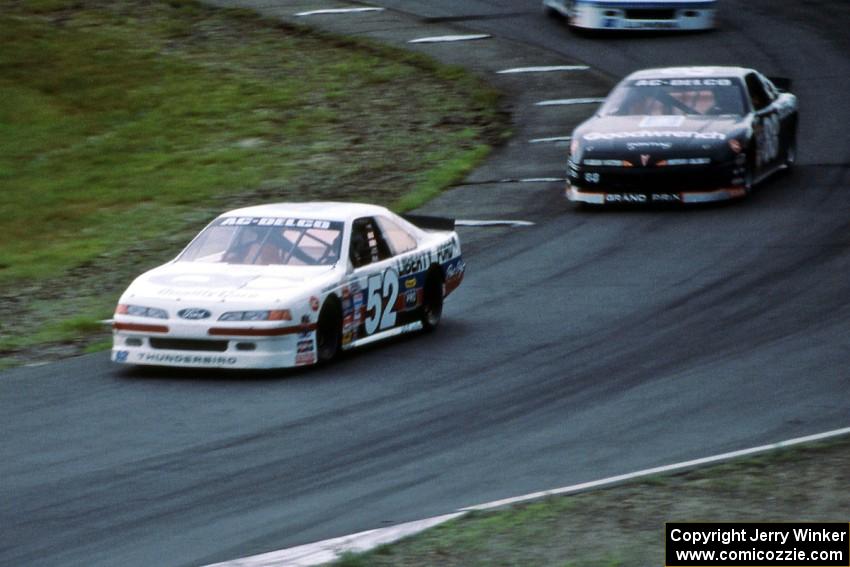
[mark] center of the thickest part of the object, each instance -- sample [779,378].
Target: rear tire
[432,305]
[329,332]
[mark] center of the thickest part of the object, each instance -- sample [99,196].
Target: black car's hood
[667,136]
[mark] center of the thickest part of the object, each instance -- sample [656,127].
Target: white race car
[636,14]
[287,285]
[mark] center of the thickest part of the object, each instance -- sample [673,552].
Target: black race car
[683,135]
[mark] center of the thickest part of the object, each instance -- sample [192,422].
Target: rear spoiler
[430,223]
[781,83]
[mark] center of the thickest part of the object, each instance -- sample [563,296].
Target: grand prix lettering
[625,198]
[655,134]
[276,221]
[382,295]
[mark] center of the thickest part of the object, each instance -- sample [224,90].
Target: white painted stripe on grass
[658,470]
[330,550]
[549,69]
[338,11]
[569,101]
[450,38]
[472,222]
[550,140]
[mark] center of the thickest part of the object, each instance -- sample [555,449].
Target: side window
[398,239]
[758,95]
[769,88]
[367,243]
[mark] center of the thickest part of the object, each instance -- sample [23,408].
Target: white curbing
[658,470]
[330,550]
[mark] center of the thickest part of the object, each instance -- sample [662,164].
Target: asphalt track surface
[589,345]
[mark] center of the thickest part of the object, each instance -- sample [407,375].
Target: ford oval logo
[194,313]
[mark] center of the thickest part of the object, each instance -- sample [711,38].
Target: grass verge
[128,124]
[623,526]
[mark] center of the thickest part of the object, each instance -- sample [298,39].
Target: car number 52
[381,287]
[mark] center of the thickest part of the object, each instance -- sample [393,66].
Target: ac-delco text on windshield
[275,221]
[683,83]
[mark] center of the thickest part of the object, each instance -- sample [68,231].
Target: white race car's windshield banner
[714,96]
[268,241]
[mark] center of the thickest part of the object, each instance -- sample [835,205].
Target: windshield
[675,97]
[267,241]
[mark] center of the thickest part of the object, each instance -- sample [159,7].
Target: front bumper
[603,184]
[192,351]
[613,16]
[597,197]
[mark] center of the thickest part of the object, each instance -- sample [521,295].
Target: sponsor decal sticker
[276,221]
[305,358]
[187,359]
[684,134]
[625,198]
[708,82]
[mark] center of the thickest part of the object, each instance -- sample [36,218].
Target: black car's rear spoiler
[781,83]
[430,223]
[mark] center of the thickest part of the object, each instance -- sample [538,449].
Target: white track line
[549,69]
[568,101]
[329,550]
[471,222]
[449,38]
[338,11]
[548,140]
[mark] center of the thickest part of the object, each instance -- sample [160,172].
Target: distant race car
[636,14]
[683,135]
[287,285]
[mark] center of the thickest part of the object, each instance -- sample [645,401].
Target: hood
[226,283]
[667,136]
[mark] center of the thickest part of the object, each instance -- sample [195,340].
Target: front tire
[329,332]
[791,151]
[432,306]
[750,173]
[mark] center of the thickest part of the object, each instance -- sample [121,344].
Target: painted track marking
[450,38]
[552,139]
[329,11]
[473,222]
[547,69]
[568,101]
